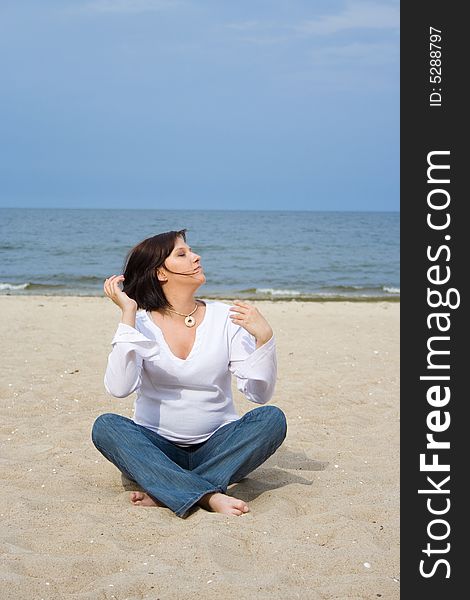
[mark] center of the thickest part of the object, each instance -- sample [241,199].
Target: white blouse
[187,400]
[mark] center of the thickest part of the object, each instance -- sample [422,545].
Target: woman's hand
[249,317]
[113,291]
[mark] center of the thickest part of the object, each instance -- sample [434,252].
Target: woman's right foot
[143,499]
[221,503]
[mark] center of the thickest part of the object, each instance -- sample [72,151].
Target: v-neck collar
[197,338]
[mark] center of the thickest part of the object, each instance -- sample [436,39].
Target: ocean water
[247,254]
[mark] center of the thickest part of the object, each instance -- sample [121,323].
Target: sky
[200,104]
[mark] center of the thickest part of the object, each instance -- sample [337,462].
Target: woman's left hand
[248,316]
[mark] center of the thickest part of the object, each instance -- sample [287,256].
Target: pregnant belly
[186,419]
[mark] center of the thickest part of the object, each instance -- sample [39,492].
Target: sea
[246,254]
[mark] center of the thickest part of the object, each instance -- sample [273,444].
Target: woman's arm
[124,369]
[254,368]
[253,358]
[130,347]
[128,317]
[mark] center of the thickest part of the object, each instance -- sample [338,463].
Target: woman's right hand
[120,298]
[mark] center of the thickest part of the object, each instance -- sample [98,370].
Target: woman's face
[183,260]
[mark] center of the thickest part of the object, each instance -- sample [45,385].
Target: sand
[324,520]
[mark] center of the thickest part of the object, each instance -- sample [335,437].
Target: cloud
[355,15]
[266,40]
[260,32]
[357,53]
[347,67]
[127,6]
[245,25]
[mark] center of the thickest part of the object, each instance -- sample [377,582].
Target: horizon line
[358,210]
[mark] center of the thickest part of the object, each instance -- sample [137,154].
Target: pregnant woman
[186,443]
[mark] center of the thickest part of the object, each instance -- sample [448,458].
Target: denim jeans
[178,477]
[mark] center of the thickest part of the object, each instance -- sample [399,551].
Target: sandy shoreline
[324,519]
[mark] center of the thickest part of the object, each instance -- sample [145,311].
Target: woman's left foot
[143,499]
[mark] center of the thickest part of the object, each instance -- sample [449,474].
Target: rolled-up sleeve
[254,368]
[124,369]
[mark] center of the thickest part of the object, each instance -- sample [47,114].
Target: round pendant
[190,321]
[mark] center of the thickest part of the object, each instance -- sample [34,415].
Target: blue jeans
[179,477]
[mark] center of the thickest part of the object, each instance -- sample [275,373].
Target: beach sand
[324,520]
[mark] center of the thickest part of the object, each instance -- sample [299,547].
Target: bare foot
[143,499]
[221,503]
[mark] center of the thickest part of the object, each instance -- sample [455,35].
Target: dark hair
[140,279]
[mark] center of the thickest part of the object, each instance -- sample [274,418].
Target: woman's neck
[182,303]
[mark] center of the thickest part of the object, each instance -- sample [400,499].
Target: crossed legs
[179,478]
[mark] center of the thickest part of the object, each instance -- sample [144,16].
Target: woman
[186,443]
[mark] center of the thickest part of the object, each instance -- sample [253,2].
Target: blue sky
[200,104]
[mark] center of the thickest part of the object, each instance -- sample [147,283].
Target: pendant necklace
[189,320]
